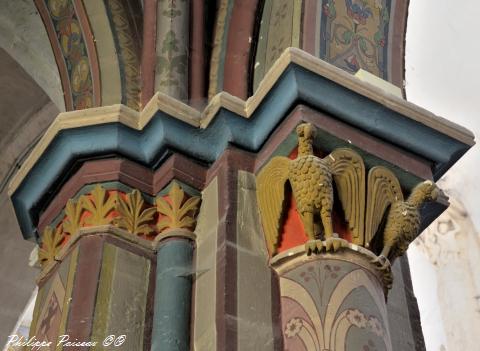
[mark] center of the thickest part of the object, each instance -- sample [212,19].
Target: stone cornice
[244,108]
[297,77]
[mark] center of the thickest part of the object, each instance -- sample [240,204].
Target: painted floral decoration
[293,327]
[356,318]
[375,326]
[358,11]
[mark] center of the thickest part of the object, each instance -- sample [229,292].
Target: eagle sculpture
[311,179]
[387,212]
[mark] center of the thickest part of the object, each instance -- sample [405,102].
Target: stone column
[116,270]
[173,294]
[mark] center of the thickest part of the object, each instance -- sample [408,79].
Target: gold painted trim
[174,233]
[177,109]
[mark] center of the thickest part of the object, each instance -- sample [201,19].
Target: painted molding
[295,78]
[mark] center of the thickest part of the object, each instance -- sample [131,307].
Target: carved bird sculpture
[311,179]
[402,221]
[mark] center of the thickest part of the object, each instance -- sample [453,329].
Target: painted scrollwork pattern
[74,51]
[128,52]
[320,308]
[356,34]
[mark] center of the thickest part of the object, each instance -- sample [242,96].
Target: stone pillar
[108,192]
[305,173]
[173,295]
[116,270]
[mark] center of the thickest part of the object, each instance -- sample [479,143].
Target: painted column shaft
[173,292]
[172,48]
[332,302]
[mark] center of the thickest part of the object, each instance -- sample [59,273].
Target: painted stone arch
[350,34]
[96,45]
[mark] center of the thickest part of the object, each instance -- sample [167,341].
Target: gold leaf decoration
[131,217]
[73,211]
[100,206]
[176,213]
[51,243]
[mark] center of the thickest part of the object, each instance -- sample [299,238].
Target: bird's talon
[313,246]
[310,247]
[382,263]
[335,243]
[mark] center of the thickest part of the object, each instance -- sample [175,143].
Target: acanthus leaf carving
[133,216]
[73,212]
[100,205]
[176,213]
[51,243]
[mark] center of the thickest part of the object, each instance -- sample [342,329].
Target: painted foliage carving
[128,211]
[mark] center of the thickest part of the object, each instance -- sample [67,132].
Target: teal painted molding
[163,133]
[173,295]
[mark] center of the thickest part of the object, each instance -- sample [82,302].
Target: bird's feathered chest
[311,179]
[404,218]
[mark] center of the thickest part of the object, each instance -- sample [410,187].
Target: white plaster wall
[23,36]
[442,75]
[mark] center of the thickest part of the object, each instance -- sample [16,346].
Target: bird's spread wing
[349,176]
[271,196]
[383,190]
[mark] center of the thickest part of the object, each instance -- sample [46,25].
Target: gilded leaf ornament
[51,244]
[132,215]
[73,212]
[176,213]
[100,205]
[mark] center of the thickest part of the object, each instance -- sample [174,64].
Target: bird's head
[426,191]
[306,131]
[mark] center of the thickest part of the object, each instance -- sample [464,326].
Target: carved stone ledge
[356,254]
